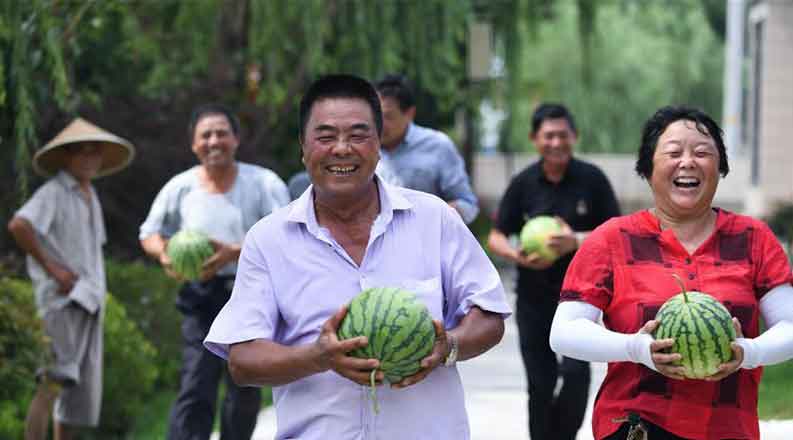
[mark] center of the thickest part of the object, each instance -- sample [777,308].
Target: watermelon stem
[682,287]
[373,391]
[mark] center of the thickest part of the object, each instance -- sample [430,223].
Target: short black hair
[212,109]
[655,126]
[340,86]
[551,110]
[399,87]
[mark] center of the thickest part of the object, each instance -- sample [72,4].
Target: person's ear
[411,113]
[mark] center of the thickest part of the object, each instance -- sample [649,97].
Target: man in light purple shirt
[301,265]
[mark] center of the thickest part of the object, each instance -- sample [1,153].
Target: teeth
[341,169]
[687,181]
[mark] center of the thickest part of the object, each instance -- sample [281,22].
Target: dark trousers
[193,412]
[550,416]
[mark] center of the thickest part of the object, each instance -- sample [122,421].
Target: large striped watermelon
[188,250]
[398,327]
[702,329]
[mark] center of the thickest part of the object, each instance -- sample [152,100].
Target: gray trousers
[193,412]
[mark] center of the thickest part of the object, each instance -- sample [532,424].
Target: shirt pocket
[427,290]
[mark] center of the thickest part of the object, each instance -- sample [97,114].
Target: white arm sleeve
[576,333]
[776,343]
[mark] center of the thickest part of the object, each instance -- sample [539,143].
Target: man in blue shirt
[423,158]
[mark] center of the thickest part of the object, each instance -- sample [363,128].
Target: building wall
[776,132]
[492,173]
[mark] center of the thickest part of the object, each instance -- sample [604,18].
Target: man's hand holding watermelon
[224,253]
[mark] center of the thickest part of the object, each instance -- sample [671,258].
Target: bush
[130,366]
[130,372]
[22,343]
[149,297]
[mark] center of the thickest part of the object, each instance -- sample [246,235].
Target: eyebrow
[333,128]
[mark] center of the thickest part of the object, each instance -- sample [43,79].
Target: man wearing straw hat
[62,232]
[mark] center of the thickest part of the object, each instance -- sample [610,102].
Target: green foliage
[643,55]
[130,372]
[148,296]
[22,343]
[31,50]
[130,363]
[774,400]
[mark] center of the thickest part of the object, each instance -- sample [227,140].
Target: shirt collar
[67,180]
[302,210]
[408,139]
[567,173]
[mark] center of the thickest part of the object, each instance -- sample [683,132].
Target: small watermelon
[398,327]
[535,234]
[188,250]
[702,329]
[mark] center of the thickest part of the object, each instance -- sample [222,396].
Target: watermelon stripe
[399,328]
[702,330]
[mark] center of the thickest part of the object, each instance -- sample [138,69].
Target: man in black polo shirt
[580,196]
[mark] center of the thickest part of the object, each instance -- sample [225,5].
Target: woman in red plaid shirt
[623,273]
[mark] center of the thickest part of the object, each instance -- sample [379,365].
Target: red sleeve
[772,268]
[590,276]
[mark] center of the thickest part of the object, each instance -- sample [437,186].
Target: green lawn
[776,392]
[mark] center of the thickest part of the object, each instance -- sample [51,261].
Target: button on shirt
[293,276]
[72,231]
[428,161]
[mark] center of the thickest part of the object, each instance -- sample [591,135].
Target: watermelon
[188,250]
[535,234]
[398,327]
[702,329]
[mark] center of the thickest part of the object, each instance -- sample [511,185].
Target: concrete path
[496,399]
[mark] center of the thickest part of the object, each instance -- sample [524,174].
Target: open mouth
[342,170]
[686,182]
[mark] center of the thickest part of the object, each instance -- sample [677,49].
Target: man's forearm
[478,332]
[25,237]
[265,363]
[154,246]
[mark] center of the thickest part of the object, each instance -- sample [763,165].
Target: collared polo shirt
[625,269]
[427,160]
[71,230]
[293,275]
[583,198]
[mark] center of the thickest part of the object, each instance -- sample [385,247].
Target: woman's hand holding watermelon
[440,350]
[733,365]
[333,353]
[664,361]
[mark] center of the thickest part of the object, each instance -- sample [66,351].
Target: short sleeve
[469,278]
[454,183]
[163,217]
[606,202]
[590,276]
[510,215]
[277,193]
[773,268]
[251,312]
[39,210]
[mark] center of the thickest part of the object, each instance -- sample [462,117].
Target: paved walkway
[496,398]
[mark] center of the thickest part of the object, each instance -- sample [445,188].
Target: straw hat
[117,153]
